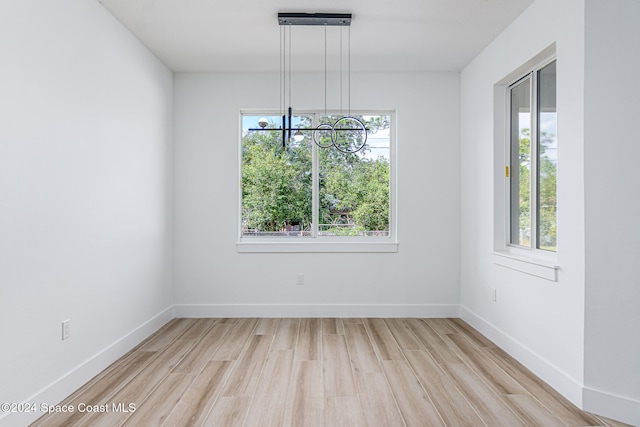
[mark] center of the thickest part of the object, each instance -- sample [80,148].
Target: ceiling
[386,35]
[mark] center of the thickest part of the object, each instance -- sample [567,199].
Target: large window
[316,191]
[533,160]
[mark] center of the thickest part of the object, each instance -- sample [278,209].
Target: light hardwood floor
[318,372]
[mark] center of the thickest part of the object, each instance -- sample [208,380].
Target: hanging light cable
[349,68]
[352,129]
[280,74]
[283,64]
[320,132]
[341,86]
[325,70]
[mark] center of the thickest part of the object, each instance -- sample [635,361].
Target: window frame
[316,242]
[533,77]
[530,260]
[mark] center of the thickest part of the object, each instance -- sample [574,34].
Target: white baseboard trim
[68,383]
[316,310]
[559,380]
[611,406]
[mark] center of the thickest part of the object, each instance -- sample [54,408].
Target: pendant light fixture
[347,134]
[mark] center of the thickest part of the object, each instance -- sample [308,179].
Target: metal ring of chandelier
[334,134]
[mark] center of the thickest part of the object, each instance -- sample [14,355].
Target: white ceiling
[386,35]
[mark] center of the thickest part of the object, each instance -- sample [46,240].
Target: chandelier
[347,134]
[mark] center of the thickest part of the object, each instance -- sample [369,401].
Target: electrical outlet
[494,295]
[300,279]
[66,329]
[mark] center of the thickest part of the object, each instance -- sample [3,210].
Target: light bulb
[298,136]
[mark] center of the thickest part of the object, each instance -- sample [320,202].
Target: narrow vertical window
[533,160]
[521,163]
[547,157]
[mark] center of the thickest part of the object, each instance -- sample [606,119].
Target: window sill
[543,268]
[316,247]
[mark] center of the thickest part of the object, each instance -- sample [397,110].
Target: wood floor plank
[267,326]
[196,403]
[332,326]
[492,374]
[140,387]
[378,403]
[233,343]
[246,373]
[286,334]
[451,404]
[269,401]
[361,353]
[100,391]
[489,406]
[476,337]
[337,373]
[198,329]
[309,343]
[384,343]
[228,411]
[203,350]
[169,334]
[403,335]
[305,400]
[343,411]
[161,331]
[560,406]
[532,412]
[432,342]
[230,320]
[157,407]
[416,407]
[441,326]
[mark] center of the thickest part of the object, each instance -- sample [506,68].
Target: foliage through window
[533,160]
[308,191]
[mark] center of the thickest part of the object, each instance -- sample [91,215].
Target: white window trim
[533,266]
[323,244]
[532,261]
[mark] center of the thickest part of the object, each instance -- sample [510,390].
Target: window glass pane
[276,182]
[354,187]
[547,157]
[521,163]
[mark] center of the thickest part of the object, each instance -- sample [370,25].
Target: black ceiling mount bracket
[336,19]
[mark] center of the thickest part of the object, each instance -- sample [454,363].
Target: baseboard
[316,310]
[611,406]
[68,383]
[559,380]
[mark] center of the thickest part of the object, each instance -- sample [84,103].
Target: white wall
[537,320]
[580,333]
[84,196]
[612,204]
[212,279]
